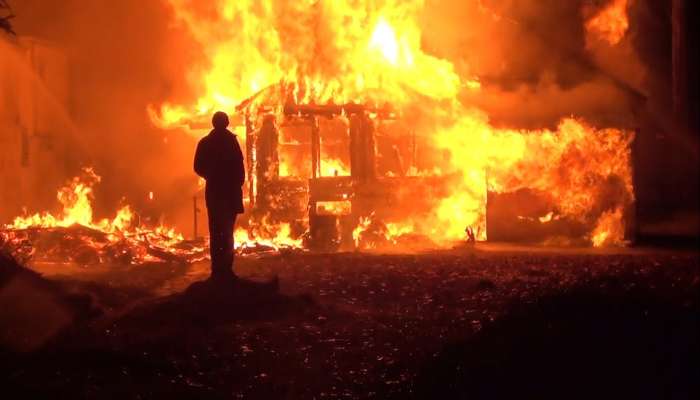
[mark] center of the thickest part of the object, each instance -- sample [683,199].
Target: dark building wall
[36,138]
[666,162]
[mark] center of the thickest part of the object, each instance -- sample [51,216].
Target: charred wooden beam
[250,157]
[334,110]
[266,159]
[362,148]
[315,149]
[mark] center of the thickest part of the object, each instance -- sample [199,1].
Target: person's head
[219,120]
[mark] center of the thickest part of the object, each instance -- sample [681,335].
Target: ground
[484,322]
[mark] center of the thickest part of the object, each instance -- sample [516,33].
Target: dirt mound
[33,310]
[213,302]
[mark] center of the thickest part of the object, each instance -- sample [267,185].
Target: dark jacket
[219,160]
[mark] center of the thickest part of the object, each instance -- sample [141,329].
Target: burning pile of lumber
[88,245]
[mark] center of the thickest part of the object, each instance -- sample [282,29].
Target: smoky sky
[533,59]
[123,55]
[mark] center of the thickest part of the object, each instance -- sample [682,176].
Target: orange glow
[334,207]
[569,166]
[276,237]
[372,234]
[332,167]
[76,199]
[611,23]
[608,231]
[546,218]
[362,227]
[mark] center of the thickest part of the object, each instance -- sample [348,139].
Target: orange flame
[76,198]
[608,230]
[379,233]
[363,52]
[277,236]
[571,166]
[611,23]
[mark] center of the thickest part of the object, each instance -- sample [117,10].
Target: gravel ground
[348,325]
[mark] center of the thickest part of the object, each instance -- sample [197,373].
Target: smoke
[23,97]
[537,62]
[121,56]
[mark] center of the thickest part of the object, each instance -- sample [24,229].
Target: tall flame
[332,50]
[370,52]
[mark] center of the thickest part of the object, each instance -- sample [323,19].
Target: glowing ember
[371,233]
[274,237]
[547,217]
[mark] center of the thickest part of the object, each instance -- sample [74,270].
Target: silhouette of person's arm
[240,169]
[200,162]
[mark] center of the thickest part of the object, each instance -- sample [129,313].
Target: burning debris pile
[75,235]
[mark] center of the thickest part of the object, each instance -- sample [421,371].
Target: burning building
[353,125]
[403,123]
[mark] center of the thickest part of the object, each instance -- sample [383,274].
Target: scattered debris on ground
[347,325]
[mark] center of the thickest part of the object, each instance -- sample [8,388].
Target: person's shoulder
[204,140]
[231,136]
[207,138]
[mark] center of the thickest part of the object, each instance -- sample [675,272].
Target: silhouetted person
[219,161]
